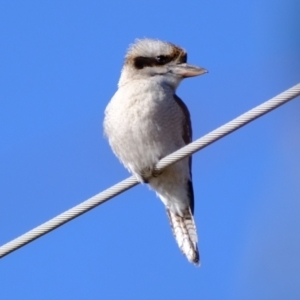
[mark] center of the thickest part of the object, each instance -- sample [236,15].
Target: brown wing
[187,137]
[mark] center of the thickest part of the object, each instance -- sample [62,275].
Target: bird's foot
[149,173]
[156,173]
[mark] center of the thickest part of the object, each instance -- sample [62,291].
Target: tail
[184,230]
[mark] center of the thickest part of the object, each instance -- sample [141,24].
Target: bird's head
[148,58]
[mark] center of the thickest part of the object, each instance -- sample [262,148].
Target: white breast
[143,123]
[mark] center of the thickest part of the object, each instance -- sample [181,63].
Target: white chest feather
[143,124]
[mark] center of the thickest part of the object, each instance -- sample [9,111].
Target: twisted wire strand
[229,127]
[130,182]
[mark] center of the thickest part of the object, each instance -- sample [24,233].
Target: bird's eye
[162,59]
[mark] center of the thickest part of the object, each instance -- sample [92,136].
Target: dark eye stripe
[163,59]
[142,62]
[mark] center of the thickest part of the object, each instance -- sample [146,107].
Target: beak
[185,70]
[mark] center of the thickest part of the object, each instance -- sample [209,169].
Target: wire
[130,182]
[229,127]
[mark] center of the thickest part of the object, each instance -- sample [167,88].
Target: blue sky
[59,67]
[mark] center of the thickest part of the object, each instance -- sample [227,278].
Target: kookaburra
[145,121]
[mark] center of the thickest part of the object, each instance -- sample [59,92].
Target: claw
[147,173]
[156,173]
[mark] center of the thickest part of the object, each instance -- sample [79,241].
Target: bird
[145,121]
